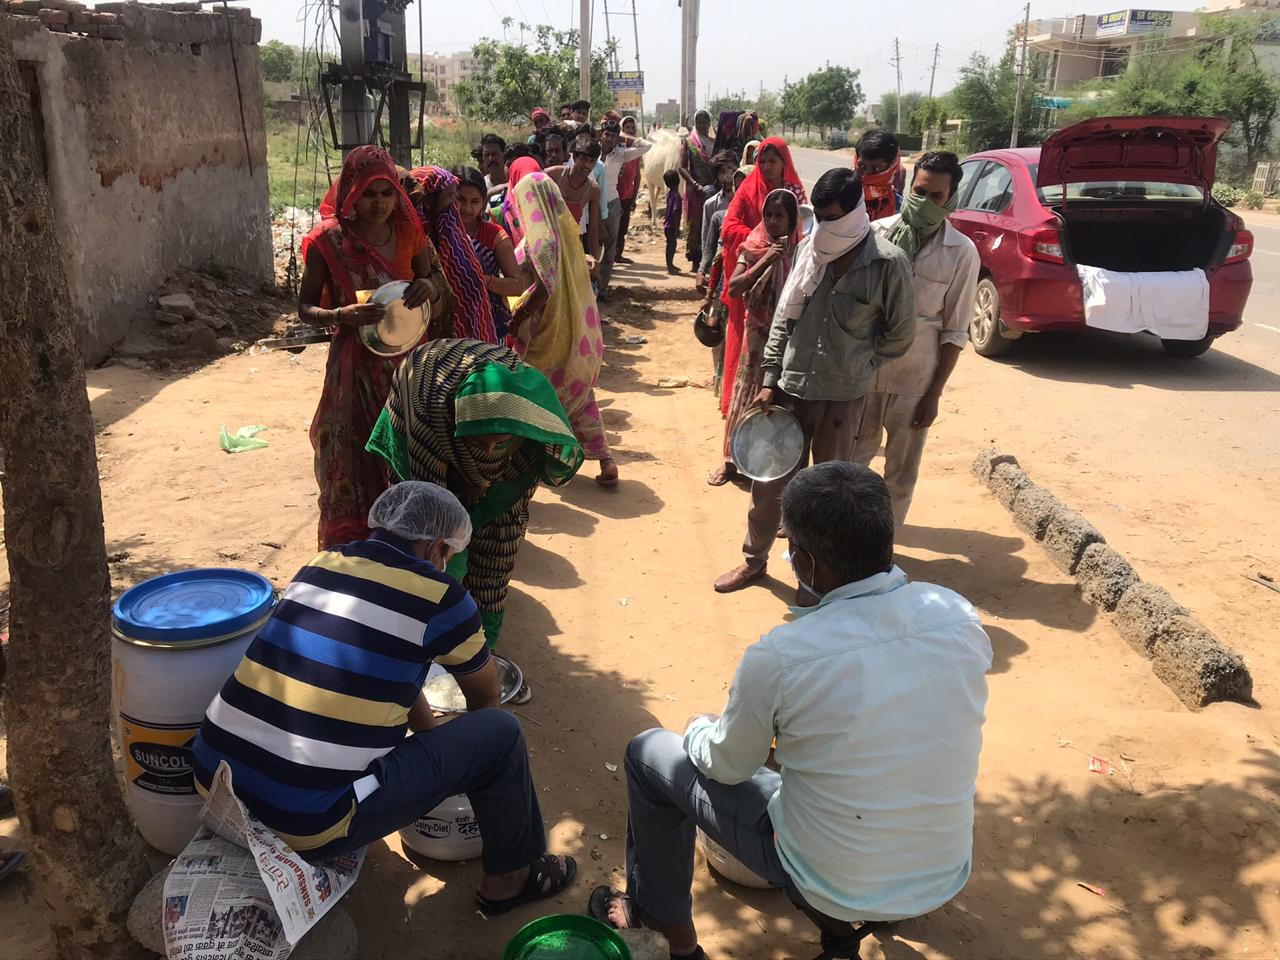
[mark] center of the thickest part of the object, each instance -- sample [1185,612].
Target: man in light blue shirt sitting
[875,697]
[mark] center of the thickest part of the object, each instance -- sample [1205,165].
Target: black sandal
[545,868]
[6,799]
[598,909]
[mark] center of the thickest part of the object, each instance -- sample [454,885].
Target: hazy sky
[743,43]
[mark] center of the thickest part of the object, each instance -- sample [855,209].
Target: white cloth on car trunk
[1172,305]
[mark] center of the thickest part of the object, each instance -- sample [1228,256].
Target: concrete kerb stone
[1197,667]
[1006,481]
[987,460]
[1067,537]
[1185,655]
[1032,510]
[1142,611]
[1104,576]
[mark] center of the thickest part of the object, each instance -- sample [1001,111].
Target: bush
[1227,195]
[1253,200]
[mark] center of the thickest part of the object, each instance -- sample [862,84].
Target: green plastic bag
[243,439]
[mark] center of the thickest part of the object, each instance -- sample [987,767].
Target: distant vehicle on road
[1127,194]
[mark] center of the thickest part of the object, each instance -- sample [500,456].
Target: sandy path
[1168,460]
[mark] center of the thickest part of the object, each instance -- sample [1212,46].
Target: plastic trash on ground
[243,439]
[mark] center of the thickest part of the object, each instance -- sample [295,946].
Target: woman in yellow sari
[556,324]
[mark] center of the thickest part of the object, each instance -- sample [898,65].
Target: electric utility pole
[897,63]
[635,26]
[933,71]
[689,57]
[608,37]
[1022,75]
[584,50]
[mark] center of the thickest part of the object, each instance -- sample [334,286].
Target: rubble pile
[193,316]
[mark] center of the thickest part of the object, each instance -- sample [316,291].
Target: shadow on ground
[426,908]
[1122,362]
[986,570]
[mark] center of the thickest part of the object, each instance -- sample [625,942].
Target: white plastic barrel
[449,832]
[727,865]
[175,641]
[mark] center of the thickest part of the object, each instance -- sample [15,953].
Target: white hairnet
[422,512]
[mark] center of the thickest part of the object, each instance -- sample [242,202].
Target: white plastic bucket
[449,832]
[175,641]
[727,865]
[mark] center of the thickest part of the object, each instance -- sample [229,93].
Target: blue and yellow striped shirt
[325,687]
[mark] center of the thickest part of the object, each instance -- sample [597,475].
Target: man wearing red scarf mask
[879,164]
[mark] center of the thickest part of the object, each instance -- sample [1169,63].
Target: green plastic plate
[566,936]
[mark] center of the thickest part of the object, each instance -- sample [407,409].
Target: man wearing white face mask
[313,721]
[903,400]
[875,698]
[847,307]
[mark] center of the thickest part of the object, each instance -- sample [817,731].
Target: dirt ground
[613,619]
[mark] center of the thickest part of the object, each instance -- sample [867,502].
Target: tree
[84,849]
[984,99]
[728,101]
[931,114]
[832,95]
[793,109]
[1221,78]
[512,78]
[279,61]
[888,112]
[766,106]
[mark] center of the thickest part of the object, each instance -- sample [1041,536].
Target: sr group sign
[1122,22]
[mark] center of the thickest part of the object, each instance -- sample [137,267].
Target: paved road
[811,164]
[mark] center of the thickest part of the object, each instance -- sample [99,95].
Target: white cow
[667,154]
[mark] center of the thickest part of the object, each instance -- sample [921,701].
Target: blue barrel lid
[193,605]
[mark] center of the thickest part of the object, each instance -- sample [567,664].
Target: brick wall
[145,155]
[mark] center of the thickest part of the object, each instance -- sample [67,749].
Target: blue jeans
[481,754]
[667,800]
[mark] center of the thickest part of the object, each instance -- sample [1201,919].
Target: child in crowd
[671,223]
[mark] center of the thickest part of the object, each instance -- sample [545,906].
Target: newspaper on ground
[239,892]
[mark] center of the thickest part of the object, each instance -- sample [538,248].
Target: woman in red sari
[774,170]
[764,263]
[370,236]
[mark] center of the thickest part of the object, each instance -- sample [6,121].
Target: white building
[446,71]
[1087,46]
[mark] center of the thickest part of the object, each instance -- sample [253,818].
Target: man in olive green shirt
[848,306]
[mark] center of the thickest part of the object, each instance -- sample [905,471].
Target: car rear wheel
[1185,349]
[985,329]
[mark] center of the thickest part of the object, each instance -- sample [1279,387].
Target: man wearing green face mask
[903,400]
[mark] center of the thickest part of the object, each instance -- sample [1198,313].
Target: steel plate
[400,328]
[767,446]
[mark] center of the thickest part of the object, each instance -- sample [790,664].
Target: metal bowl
[400,328]
[708,335]
[767,446]
[510,680]
[297,338]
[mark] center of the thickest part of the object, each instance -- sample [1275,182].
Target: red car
[1122,193]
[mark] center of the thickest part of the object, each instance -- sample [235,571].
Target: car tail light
[1241,247]
[1042,243]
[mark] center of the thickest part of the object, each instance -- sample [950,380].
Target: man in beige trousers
[902,402]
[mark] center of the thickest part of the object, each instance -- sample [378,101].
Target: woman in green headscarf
[474,418]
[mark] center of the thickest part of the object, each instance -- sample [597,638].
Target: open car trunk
[1145,237]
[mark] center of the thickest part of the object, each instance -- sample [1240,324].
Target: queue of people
[426,466]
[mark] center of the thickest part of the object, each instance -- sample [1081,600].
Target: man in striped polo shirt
[313,721]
